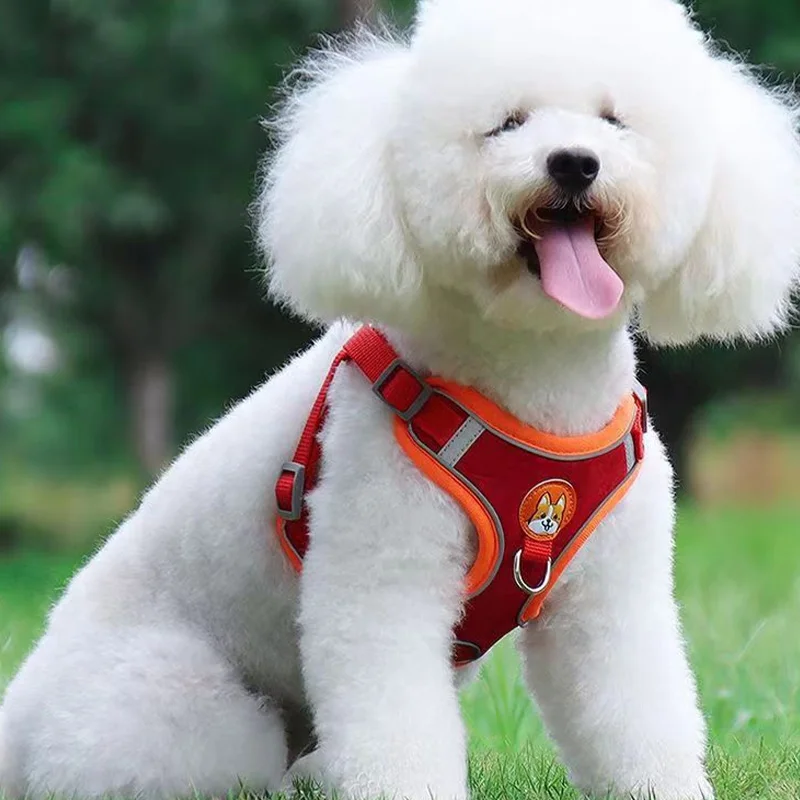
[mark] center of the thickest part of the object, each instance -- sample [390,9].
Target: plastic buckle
[298,473]
[422,398]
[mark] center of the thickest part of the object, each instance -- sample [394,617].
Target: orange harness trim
[534,498]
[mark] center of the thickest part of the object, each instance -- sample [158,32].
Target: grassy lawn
[739,585]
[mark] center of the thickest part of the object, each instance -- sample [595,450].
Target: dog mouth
[559,246]
[527,225]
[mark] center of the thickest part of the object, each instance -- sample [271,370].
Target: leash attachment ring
[522,583]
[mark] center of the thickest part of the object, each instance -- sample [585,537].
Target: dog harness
[534,498]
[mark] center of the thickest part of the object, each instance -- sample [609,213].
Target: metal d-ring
[521,581]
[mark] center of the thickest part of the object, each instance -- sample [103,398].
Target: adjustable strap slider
[289,491]
[402,389]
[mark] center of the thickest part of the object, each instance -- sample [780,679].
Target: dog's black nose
[573,169]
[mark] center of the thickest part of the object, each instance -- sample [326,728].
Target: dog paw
[307,771]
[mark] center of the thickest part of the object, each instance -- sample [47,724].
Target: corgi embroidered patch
[547,508]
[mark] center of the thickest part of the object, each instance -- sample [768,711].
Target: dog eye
[612,119]
[513,121]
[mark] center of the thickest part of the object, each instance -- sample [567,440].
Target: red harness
[534,498]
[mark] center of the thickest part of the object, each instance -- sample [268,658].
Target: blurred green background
[132,316]
[131,310]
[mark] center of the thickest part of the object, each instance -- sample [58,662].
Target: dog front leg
[375,643]
[607,665]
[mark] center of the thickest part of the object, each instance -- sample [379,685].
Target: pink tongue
[573,271]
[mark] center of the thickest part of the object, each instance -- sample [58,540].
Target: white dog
[409,189]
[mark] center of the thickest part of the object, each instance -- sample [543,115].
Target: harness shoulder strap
[393,381]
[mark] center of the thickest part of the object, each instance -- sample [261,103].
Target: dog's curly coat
[188,654]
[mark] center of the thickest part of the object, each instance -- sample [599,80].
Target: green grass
[29,584]
[738,578]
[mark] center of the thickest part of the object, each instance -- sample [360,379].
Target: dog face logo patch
[547,508]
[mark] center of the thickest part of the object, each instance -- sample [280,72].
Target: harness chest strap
[533,498]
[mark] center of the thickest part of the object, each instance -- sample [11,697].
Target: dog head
[541,164]
[548,516]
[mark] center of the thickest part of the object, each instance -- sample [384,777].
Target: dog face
[543,164]
[571,132]
[548,517]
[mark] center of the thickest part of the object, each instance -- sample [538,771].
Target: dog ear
[562,502]
[327,220]
[739,273]
[545,502]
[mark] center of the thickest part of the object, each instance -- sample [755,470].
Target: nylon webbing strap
[392,380]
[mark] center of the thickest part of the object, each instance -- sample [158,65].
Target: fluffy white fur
[187,654]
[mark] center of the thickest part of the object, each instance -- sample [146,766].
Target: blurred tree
[768,33]
[351,11]
[681,383]
[129,135]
